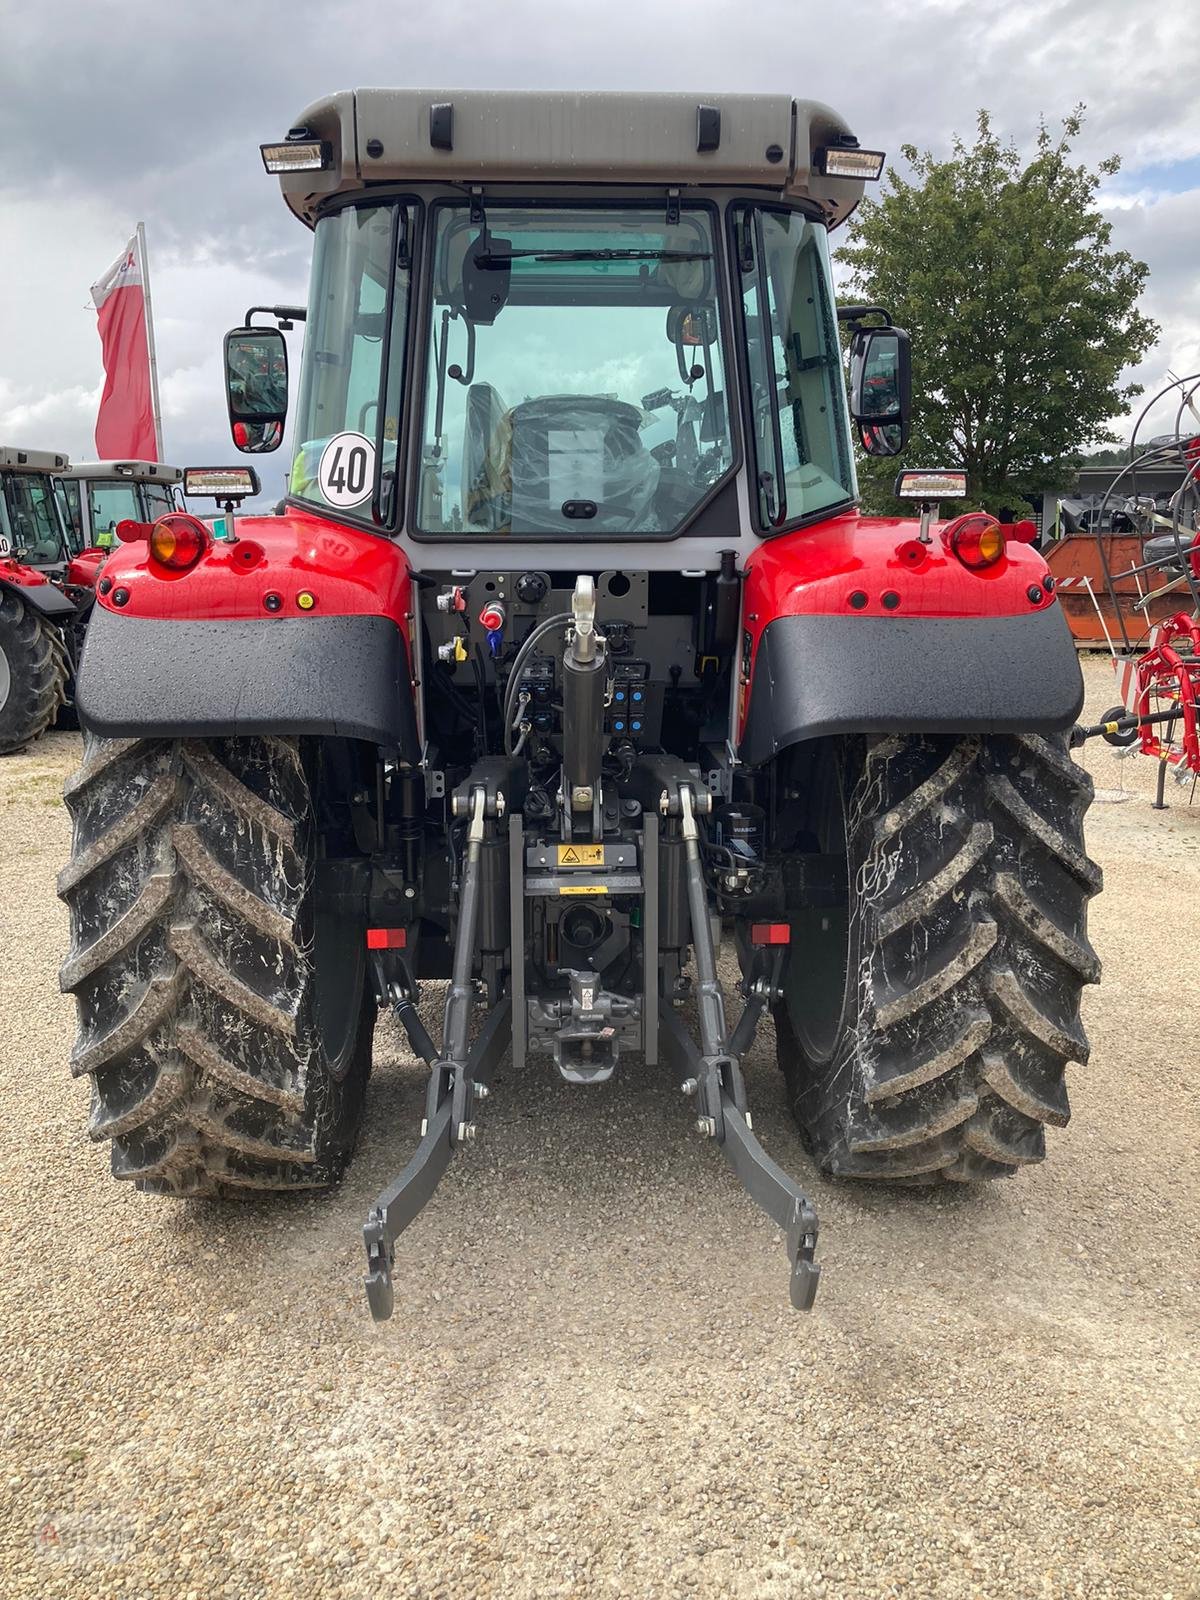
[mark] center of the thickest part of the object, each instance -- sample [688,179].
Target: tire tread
[970,884]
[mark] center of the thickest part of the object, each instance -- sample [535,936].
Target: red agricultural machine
[57,523]
[571,657]
[102,494]
[1157,662]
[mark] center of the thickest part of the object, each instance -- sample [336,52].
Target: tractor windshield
[30,527]
[112,502]
[575,378]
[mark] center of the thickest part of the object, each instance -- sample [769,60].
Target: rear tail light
[129,531]
[177,541]
[976,539]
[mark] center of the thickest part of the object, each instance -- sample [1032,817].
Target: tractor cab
[101,494]
[35,529]
[41,619]
[571,318]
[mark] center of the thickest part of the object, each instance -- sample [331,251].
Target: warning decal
[581,855]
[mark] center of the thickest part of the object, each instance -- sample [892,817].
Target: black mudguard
[820,675]
[44,598]
[343,676]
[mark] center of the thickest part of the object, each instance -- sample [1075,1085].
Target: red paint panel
[349,573]
[84,569]
[13,571]
[816,570]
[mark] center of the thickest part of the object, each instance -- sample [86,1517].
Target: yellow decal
[583,888]
[581,855]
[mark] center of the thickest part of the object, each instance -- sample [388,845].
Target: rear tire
[926,1027]
[224,1015]
[33,673]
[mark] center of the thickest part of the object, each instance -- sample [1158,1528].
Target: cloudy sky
[155,112]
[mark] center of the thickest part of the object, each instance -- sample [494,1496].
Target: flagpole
[145,267]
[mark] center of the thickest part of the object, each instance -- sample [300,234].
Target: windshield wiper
[592,255]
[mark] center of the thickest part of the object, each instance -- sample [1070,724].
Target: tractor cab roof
[139,471]
[456,136]
[15,460]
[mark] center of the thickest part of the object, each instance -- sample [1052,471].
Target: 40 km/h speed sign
[347,469]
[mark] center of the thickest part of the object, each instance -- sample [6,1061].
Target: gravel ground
[593,1384]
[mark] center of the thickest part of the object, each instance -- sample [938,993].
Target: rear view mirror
[256,386]
[881,389]
[257,438]
[886,441]
[692,326]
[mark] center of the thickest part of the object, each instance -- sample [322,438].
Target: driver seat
[581,448]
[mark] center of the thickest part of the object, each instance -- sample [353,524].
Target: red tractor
[57,525]
[571,656]
[102,494]
[42,600]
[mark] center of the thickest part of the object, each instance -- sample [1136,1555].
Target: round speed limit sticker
[347,469]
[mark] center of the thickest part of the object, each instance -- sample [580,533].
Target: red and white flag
[126,425]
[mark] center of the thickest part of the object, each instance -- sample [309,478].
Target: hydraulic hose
[514,678]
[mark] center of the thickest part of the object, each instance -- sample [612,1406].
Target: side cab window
[798,422]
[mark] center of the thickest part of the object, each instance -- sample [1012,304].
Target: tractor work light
[177,541]
[928,483]
[220,483]
[849,162]
[297,155]
[976,539]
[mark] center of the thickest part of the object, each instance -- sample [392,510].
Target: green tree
[1022,316]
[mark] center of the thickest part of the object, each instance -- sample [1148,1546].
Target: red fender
[874,568]
[347,573]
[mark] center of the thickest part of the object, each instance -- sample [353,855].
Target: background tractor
[102,494]
[57,525]
[570,656]
[39,608]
